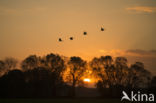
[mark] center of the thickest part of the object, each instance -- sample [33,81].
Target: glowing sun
[87,80]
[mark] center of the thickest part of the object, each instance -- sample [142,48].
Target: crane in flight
[85,33]
[102,29]
[60,40]
[71,38]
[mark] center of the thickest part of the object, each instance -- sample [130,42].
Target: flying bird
[102,29]
[71,38]
[84,33]
[60,40]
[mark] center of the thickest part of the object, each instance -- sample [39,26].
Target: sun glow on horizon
[87,80]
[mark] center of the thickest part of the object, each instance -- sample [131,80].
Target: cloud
[142,9]
[114,52]
[130,52]
[141,53]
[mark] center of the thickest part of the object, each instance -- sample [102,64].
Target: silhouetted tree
[117,76]
[77,68]
[10,63]
[2,67]
[30,62]
[153,85]
[141,77]
[44,76]
[12,84]
[153,81]
[7,64]
[41,82]
[56,65]
[121,70]
[103,67]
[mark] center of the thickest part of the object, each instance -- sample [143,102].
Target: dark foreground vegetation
[54,76]
[61,101]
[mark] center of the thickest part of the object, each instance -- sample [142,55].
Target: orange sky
[34,26]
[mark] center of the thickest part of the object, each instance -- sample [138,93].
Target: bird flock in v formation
[72,38]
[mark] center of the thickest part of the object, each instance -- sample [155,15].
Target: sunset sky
[34,26]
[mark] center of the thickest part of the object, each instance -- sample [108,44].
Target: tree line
[53,76]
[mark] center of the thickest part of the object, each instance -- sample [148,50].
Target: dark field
[60,101]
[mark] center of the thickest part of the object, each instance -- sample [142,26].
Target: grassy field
[60,101]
